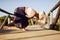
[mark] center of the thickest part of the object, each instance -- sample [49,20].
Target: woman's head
[30,12]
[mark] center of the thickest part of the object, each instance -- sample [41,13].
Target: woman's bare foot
[23,29]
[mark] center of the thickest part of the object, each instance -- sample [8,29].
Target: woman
[22,14]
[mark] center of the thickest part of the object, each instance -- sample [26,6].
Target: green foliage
[58,25]
[2,19]
[34,20]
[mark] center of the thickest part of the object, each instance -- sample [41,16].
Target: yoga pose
[22,14]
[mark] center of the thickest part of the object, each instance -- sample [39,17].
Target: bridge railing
[7,18]
[50,15]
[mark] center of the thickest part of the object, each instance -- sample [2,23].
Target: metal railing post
[57,16]
[9,21]
[51,17]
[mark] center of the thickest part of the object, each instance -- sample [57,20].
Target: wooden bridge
[50,16]
[34,32]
